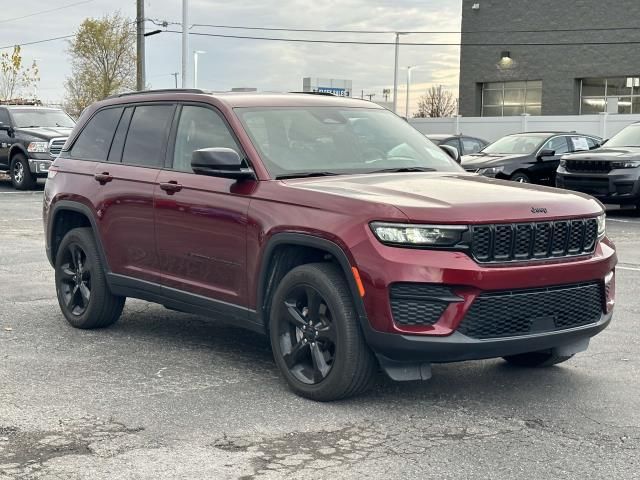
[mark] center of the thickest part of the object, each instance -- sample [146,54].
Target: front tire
[520,178]
[83,294]
[315,335]
[542,359]
[21,176]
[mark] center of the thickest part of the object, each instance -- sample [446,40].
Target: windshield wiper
[305,175]
[405,169]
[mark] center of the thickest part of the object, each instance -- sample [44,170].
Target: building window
[503,99]
[611,95]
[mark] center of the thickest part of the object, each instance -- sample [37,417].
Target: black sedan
[464,144]
[528,157]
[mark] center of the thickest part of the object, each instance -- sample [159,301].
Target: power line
[418,44]
[46,11]
[37,41]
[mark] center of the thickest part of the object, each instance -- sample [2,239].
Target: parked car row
[608,170]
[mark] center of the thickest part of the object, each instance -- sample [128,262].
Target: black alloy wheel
[75,279]
[307,335]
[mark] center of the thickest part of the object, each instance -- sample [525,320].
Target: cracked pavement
[168,395]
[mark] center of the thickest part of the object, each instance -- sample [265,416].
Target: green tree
[103,61]
[14,77]
[437,102]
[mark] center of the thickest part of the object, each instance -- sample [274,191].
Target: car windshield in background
[628,137]
[41,118]
[515,145]
[300,141]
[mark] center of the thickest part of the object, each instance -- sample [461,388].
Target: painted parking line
[20,219]
[609,219]
[633,269]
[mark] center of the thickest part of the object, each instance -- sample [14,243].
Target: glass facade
[503,99]
[612,95]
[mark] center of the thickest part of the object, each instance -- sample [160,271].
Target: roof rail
[161,90]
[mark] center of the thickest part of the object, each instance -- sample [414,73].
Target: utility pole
[395,74]
[140,56]
[175,77]
[185,44]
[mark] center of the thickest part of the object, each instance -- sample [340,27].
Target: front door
[5,140]
[201,221]
[544,170]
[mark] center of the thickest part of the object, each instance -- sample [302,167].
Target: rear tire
[542,359]
[316,337]
[21,176]
[81,286]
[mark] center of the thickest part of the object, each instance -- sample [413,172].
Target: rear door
[201,221]
[125,184]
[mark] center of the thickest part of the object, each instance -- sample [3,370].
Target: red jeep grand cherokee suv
[330,225]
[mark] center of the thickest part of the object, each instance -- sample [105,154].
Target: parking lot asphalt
[168,395]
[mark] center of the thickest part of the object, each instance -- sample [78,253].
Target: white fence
[491,128]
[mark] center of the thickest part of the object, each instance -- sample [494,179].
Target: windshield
[515,145]
[334,140]
[41,118]
[627,137]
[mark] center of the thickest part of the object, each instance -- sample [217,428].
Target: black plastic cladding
[527,241]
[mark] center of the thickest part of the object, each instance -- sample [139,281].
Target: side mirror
[546,153]
[219,162]
[452,152]
[6,128]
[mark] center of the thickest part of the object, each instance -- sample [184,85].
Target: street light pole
[185,44]
[195,66]
[406,108]
[395,74]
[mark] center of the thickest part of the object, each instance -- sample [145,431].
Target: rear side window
[199,127]
[147,138]
[4,117]
[95,139]
[115,153]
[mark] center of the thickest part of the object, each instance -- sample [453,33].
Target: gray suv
[610,173]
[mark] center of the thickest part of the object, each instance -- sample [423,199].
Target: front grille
[588,166]
[527,241]
[419,304]
[524,312]
[55,146]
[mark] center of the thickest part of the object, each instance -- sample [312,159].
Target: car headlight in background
[490,172]
[631,164]
[602,225]
[563,163]
[418,235]
[38,147]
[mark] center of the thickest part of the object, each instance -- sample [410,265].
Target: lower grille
[524,312]
[419,304]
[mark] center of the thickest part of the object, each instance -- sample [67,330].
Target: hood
[482,160]
[45,133]
[619,153]
[455,197]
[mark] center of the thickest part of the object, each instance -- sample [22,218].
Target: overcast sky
[272,66]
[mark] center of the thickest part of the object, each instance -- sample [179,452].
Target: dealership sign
[341,92]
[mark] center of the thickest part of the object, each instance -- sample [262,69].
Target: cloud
[273,66]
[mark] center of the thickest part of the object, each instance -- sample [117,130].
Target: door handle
[103,177]
[171,187]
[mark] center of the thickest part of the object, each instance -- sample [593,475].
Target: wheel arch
[65,216]
[17,148]
[275,264]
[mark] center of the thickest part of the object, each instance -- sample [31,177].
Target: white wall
[492,128]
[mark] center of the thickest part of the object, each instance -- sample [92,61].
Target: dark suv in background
[30,139]
[531,157]
[610,173]
[328,224]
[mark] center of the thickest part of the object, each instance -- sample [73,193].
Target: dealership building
[514,74]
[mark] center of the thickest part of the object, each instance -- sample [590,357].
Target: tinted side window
[453,142]
[593,143]
[95,139]
[557,144]
[471,145]
[4,117]
[115,153]
[199,127]
[147,137]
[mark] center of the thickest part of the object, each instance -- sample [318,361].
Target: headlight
[563,163]
[632,164]
[38,147]
[602,225]
[418,235]
[490,172]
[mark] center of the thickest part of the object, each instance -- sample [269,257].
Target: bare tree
[14,78]
[437,102]
[103,61]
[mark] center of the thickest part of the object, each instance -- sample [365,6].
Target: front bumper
[40,166]
[620,186]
